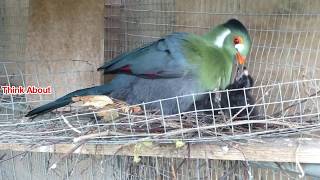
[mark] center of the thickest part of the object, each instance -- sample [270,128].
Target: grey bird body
[144,91]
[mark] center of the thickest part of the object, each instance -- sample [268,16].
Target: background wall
[65,44]
[13,23]
[70,29]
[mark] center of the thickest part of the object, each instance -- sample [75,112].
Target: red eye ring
[237,40]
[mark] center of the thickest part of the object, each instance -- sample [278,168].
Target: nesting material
[97,101]
[102,119]
[104,105]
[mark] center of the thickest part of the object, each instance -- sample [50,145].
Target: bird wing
[163,58]
[212,64]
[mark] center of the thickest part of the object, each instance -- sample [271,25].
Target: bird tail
[67,99]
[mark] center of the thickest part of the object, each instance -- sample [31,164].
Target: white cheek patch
[246,72]
[239,47]
[220,39]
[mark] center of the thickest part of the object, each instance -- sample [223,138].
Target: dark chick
[238,98]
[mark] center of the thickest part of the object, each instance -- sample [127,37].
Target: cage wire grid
[118,126]
[283,62]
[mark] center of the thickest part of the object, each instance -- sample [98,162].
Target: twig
[302,174]
[69,125]
[131,143]
[184,160]
[173,171]
[284,171]
[85,61]
[228,173]
[4,160]
[70,172]
[23,153]
[294,104]
[54,165]
[235,123]
[2,156]
[90,136]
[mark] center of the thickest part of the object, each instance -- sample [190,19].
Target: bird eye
[237,40]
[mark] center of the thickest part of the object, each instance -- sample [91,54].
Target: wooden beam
[305,150]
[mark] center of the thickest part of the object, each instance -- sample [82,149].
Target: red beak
[241,59]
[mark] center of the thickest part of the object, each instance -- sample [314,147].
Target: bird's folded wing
[163,58]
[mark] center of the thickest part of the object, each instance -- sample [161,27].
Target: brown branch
[54,165]
[294,104]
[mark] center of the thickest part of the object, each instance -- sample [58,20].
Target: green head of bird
[234,38]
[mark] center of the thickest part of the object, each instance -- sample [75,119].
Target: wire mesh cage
[283,101]
[283,63]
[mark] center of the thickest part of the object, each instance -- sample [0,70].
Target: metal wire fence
[281,108]
[283,63]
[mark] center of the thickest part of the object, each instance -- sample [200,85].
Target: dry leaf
[179,144]
[147,143]
[136,109]
[107,114]
[136,159]
[108,109]
[136,152]
[138,149]
[98,101]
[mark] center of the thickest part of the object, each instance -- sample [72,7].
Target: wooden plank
[305,150]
